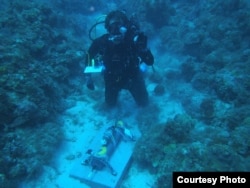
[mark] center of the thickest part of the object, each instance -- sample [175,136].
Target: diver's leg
[111,94]
[138,90]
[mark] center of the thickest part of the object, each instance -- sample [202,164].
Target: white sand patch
[138,179]
[81,123]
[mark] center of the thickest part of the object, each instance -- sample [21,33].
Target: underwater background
[199,113]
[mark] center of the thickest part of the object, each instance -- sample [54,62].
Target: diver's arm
[147,57]
[94,49]
[143,51]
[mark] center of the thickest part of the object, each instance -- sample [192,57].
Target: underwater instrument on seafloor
[108,156]
[109,142]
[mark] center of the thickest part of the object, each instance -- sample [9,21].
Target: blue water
[198,118]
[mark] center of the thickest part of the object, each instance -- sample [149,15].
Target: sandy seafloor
[77,140]
[82,121]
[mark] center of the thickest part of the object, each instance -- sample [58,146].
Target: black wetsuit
[121,62]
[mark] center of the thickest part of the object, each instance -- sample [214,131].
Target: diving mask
[117,31]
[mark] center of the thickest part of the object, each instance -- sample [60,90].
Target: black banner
[211,179]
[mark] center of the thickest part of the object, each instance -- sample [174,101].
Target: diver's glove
[89,82]
[141,42]
[143,67]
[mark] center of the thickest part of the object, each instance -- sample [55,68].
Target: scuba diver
[124,54]
[109,142]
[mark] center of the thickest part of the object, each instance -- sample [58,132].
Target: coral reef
[38,63]
[207,108]
[185,145]
[162,139]
[76,6]
[188,70]
[159,90]
[158,12]
[25,151]
[42,47]
[179,128]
